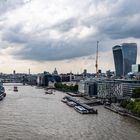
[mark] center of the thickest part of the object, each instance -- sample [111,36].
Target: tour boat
[81,110]
[15,88]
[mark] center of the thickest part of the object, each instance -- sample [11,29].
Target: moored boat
[49,92]
[81,110]
[71,104]
[90,109]
[1,97]
[2,92]
[64,100]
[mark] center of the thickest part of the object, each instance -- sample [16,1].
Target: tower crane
[96,65]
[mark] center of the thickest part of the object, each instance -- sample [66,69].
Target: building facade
[119,88]
[45,78]
[88,87]
[127,86]
[109,89]
[124,56]
[136,68]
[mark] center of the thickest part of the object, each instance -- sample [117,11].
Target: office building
[136,68]
[88,87]
[124,56]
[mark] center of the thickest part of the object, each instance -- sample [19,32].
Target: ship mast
[96,65]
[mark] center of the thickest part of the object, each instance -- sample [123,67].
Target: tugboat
[15,88]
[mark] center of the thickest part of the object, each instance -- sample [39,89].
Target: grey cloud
[122,22]
[14,35]
[6,5]
[120,28]
[42,51]
[126,8]
[66,25]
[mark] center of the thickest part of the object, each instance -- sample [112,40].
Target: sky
[42,35]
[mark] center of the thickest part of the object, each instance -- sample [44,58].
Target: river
[30,114]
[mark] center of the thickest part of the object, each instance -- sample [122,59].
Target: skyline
[44,34]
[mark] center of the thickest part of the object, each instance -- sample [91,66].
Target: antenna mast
[96,65]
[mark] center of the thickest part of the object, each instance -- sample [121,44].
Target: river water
[29,114]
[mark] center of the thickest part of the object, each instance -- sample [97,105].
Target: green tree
[130,105]
[136,93]
[137,108]
[66,88]
[124,103]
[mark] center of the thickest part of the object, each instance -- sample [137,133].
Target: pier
[89,108]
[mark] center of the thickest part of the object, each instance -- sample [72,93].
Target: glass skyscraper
[124,56]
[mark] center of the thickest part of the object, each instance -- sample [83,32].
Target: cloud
[122,21]
[66,25]
[8,5]
[54,50]
[14,35]
[127,9]
[64,29]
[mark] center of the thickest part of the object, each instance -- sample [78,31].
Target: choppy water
[29,114]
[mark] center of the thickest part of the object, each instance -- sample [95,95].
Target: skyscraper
[124,56]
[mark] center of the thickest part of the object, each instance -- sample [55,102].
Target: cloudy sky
[44,34]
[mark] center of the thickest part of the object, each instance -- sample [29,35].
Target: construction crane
[96,65]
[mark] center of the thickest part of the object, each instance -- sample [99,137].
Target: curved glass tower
[124,56]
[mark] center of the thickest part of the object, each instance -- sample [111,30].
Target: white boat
[81,110]
[64,100]
[71,104]
[49,92]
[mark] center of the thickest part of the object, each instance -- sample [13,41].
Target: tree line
[133,105]
[66,88]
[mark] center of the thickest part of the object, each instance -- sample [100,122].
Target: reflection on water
[29,114]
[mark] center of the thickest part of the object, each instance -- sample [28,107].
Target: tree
[136,93]
[66,88]
[124,103]
[130,105]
